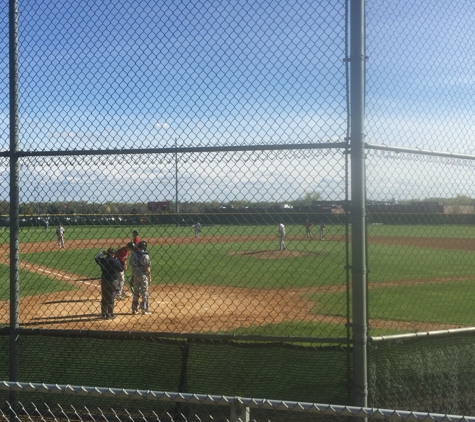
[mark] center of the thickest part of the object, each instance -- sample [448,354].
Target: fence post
[14,201]
[358,200]
[239,412]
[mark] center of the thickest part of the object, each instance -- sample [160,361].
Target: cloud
[162,125]
[64,135]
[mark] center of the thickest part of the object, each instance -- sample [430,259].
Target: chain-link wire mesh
[4,87]
[208,137]
[187,364]
[426,371]
[167,81]
[419,88]
[420,210]
[419,207]
[219,132]
[140,74]
[420,250]
[230,276]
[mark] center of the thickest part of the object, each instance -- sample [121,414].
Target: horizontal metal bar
[174,336]
[178,150]
[277,147]
[419,151]
[256,403]
[409,336]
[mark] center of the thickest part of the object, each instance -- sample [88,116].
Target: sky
[123,74]
[420,76]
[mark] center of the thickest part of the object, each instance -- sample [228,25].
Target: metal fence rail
[240,408]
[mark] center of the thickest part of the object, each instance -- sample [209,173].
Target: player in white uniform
[282,246]
[197,227]
[60,235]
[322,230]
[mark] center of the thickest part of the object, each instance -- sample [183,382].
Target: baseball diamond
[201,308]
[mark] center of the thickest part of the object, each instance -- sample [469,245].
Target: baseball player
[282,246]
[121,255]
[60,235]
[142,277]
[308,227]
[135,237]
[322,230]
[197,228]
[110,269]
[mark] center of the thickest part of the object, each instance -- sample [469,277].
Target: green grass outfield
[319,264]
[122,234]
[39,234]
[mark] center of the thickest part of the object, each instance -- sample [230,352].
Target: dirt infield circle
[198,309]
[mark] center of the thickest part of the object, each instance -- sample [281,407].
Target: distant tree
[111,208]
[27,209]
[462,200]
[457,200]
[4,207]
[454,203]
[307,199]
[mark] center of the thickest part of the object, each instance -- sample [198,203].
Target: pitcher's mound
[273,254]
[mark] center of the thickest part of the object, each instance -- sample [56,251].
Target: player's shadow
[257,252]
[68,301]
[61,319]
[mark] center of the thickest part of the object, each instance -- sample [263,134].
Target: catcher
[142,277]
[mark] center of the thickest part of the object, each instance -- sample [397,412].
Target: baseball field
[233,279]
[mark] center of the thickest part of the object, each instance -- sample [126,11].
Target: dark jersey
[110,268]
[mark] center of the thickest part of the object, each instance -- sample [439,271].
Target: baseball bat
[129,282]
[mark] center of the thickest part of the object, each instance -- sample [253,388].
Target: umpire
[110,267]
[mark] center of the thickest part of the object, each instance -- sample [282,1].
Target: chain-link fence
[424,371]
[419,202]
[168,406]
[201,127]
[265,213]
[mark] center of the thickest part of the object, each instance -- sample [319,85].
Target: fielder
[142,277]
[322,230]
[60,235]
[197,227]
[282,246]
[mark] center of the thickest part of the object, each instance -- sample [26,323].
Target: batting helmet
[142,245]
[135,232]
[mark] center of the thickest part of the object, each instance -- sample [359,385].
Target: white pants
[282,246]
[121,283]
[140,290]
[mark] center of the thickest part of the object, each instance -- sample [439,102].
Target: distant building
[458,209]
